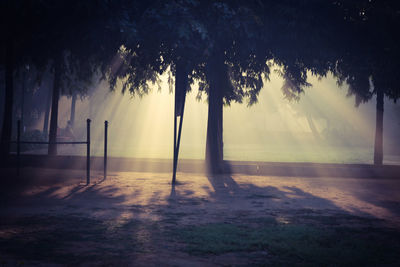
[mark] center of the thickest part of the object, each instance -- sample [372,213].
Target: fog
[324,126]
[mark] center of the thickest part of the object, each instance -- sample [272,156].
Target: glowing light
[324,126]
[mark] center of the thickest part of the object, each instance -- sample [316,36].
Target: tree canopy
[227,47]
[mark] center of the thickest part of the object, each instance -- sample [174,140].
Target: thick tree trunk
[8,106]
[54,107]
[47,112]
[72,117]
[214,145]
[2,98]
[378,149]
[90,103]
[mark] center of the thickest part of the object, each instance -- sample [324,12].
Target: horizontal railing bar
[48,143]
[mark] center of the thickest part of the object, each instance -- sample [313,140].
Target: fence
[87,143]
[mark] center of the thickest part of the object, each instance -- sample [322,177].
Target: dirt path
[139,219]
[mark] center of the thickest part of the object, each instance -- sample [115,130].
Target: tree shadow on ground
[289,203]
[70,223]
[385,194]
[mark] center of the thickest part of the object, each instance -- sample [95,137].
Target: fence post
[105,148]
[18,146]
[88,152]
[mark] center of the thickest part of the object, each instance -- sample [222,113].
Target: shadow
[128,220]
[223,185]
[172,195]
[385,194]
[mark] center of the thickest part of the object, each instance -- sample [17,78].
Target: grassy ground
[79,240]
[267,153]
[138,219]
[296,244]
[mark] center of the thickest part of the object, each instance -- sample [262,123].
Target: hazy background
[324,126]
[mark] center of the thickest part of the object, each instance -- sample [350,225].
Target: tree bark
[90,102]
[214,144]
[54,107]
[47,112]
[2,97]
[23,88]
[378,149]
[8,99]
[73,102]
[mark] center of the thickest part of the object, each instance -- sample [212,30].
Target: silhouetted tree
[164,36]
[227,45]
[76,30]
[302,44]
[210,41]
[18,32]
[235,61]
[370,63]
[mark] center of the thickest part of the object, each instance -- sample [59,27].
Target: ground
[51,217]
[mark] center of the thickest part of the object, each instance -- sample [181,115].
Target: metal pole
[18,146]
[88,152]
[179,134]
[174,156]
[105,148]
[180,95]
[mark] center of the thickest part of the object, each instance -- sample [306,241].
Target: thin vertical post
[18,146]
[174,156]
[180,95]
[88,152]
[179,135]
[105,148]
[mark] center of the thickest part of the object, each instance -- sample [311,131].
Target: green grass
[73,239]
[295,244]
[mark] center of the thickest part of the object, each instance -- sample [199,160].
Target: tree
[227,45]
[174,45]
[235,62]
[371,62]
[355,40]
[73,60]
[209,47]
[18,31]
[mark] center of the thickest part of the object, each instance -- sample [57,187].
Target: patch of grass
[261,196]
[262,221]
[173,217]
[338,219]
[75,240]
[175,214]
[294,244]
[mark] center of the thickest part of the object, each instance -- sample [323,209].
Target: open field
[50,217]
[267,153]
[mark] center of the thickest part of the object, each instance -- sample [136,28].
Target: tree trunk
[214,144]
[90,101]
[2,98]
[314,130]
[54,107]
[72,117]
[8,105]
[47,113]
[378,150]
[23,100]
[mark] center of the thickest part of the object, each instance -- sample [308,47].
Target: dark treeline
[228,47]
